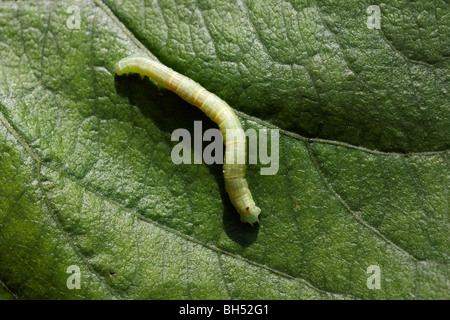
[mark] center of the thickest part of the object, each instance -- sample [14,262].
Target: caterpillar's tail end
[252,216]
[118,69]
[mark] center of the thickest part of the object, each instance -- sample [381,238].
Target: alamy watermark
[261,149]
[74,20]
[74,280]
[374,280]
[374,17]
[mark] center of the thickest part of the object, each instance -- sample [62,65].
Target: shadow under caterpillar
[219,112]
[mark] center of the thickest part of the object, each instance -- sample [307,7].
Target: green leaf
[86,177]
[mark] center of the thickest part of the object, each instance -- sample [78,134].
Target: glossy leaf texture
[86,177]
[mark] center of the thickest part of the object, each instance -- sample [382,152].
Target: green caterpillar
[219,112]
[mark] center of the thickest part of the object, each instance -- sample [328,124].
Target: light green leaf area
[86,177]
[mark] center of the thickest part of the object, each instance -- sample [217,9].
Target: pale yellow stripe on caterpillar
[236,176]
[233,142]
[171,85]
[240,193]
[217,110]
[218,114]
[197,95]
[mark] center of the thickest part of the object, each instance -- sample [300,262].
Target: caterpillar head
[251,214]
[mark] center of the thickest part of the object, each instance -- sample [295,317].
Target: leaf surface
[86,177]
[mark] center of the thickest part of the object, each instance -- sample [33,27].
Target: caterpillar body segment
[219,112]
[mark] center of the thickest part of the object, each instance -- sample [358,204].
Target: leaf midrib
[218,250]
[139,44]
[138,215]
[189,238]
